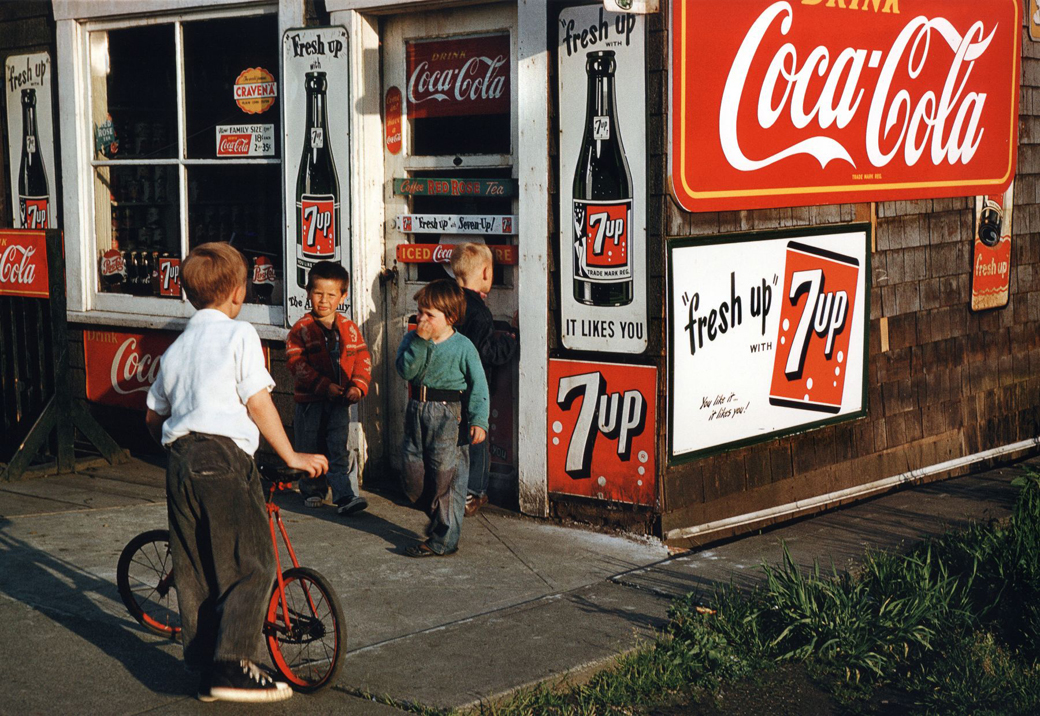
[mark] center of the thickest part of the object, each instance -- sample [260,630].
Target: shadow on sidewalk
[398,537]
[61,591]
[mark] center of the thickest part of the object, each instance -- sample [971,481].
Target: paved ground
[521,602]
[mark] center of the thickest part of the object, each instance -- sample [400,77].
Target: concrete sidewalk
[523,600]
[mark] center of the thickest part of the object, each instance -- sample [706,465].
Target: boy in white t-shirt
[208,406]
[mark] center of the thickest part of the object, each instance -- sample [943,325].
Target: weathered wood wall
[951,382]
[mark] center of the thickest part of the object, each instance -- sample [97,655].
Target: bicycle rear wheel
[307,648]
[144,576]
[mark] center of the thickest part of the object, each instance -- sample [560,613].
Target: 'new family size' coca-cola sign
[457,77]
[794,102]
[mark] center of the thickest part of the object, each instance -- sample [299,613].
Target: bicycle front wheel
[306,635]
[144,576]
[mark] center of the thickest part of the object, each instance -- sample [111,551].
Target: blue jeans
[436,468]
[479,467]
[322,427]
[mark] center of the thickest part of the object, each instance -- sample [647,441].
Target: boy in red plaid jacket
[332,367]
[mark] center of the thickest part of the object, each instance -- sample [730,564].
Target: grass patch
[953,627]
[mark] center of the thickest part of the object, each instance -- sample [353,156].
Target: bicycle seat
[280,473]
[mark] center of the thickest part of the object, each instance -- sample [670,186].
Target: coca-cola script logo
[820,103]
[121,367]
[457,77]
[23,264]
[234,145]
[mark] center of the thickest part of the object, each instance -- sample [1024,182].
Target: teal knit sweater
[450,365]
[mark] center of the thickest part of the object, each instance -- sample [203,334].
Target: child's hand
[424,330]
[354,394]
[313,465]
[335,391]
[477,435]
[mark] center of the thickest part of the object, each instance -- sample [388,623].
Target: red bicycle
[304,627]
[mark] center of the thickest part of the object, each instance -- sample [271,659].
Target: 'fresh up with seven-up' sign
[457,77]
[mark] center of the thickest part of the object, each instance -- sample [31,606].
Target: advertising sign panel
[30,140]
[121,367]
[458,77]
[245,140]
[784,103]
[23,264]
[603,431]
[991,258]
[603,180]
[441,254]
[767,335]
[316,151]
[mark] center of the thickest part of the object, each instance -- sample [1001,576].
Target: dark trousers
[479,468]
[223,558]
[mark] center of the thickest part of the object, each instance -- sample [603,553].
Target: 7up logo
[811,361]
[318,226]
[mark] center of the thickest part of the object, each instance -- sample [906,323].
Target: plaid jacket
[311,365]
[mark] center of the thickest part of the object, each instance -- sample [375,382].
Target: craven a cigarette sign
[786,103]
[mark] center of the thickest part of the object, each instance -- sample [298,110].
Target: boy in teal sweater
[446,380]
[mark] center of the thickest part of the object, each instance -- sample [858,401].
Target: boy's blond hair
[468,259]
[445,296]
[212,272]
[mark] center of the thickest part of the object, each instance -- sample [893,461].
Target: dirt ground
[785,691]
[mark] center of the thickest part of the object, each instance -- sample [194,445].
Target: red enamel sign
[441,254]
[457,77]
[121,367]
[23,263]
[791,103]
[392,120]
[602,431]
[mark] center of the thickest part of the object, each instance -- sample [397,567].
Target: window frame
[86,302]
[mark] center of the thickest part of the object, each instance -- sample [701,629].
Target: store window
[186,124]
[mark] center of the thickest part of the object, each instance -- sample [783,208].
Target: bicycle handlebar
[280,473]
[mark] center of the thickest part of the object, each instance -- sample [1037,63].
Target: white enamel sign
[33,195]
[315,158]
[767,335]
[456,224]
[602,180]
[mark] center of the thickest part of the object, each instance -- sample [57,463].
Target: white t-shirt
[207,376]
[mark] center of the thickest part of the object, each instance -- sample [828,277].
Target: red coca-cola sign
[23,264]
[460,76]
[234,145]
[121,367]
[817,102]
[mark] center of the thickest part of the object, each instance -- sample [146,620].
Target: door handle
[388,274]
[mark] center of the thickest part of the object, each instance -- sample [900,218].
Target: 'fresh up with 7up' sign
[767,336]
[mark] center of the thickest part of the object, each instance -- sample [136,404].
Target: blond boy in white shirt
[208,406]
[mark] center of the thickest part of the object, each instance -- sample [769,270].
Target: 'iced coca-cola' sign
[767,335]
[23,264]
[457,77]
[816,102]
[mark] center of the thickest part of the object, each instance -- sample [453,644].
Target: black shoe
[353,505]
[243,681]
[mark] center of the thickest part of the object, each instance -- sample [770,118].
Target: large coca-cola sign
[816,102]
[23,264]
[461,76]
